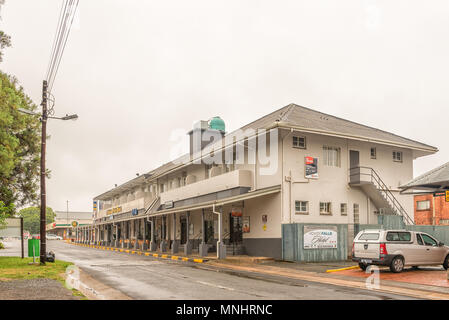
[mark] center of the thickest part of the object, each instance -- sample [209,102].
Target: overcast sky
[134,71]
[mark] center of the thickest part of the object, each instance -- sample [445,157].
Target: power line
[65,22]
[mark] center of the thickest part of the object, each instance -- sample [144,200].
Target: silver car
[397,249]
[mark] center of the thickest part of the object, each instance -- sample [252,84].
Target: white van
[397,249]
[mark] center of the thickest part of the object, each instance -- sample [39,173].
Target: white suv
[398,248]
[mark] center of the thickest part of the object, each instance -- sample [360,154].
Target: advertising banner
[311,168]
[320,237]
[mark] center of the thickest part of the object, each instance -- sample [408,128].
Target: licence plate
[366,260]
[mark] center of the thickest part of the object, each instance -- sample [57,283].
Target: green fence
[293,243]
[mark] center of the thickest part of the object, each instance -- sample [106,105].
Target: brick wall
[425,217]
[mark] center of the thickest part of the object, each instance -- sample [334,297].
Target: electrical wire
[67,15]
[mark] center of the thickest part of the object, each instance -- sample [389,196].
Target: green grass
[16,268]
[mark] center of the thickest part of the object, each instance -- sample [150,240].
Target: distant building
[425,213]
[65,221]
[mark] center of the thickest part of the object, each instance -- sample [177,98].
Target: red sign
[309,160]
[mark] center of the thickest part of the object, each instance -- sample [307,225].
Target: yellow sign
[447,195]
[74,224]
[114,210]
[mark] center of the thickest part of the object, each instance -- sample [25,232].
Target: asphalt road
[141,277]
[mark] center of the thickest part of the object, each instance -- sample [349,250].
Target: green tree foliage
[5,211]
[5,41]
[31,218]
[19,145]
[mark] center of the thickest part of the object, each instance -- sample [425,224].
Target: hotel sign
[114,210]
[320,237]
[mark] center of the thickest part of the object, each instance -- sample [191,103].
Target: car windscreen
[369,236]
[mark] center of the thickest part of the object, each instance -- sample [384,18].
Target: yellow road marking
[342,269]
[185,259]
[147,254]
[164,256]
[155,255]
[174,257]
[198,260]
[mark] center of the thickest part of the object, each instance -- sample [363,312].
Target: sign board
[320,237]
[447,195]
[168,205]
[245,223]
[114,210]
[134,212]
[311,168]
[236,212]
[74,224]
[95,205]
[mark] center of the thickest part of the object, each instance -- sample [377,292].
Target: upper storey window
[331,156]
[299,142]
[397,156]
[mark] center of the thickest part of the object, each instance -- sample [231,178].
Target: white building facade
[233,192]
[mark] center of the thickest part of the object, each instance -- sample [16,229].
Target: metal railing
[380,185]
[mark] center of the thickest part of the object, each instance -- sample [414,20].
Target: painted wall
[332,184]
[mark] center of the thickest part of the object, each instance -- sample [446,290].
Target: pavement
[34,289]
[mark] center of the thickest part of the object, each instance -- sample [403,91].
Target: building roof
[318,122]
[73,215]
[435,179]
[302,119]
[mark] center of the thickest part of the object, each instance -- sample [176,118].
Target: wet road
[141,277]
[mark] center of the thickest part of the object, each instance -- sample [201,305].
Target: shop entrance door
[183,230]
[235,228]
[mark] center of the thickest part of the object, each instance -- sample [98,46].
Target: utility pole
[67,230]
[43,195]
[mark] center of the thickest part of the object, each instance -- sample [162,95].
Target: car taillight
[383,248]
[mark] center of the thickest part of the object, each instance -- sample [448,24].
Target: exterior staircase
[369,181]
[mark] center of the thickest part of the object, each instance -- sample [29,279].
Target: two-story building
[232,192]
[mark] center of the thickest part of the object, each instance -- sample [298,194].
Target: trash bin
[33,245]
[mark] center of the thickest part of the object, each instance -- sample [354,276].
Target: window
[331,156]
[399,236]
[302,207]
[419,239]
[397,156]
[299,142]
[344,209]
[356,213]
[325,208]
[428,240]
[423,205]
[161,189]
[369,236]
[373,153]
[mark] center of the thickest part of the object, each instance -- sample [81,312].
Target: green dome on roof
[216,123]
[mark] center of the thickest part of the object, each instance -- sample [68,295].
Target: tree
[31,218]
[5,212]
[19,142]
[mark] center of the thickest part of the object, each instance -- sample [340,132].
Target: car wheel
[446,262]
[397,264]
[363,266]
